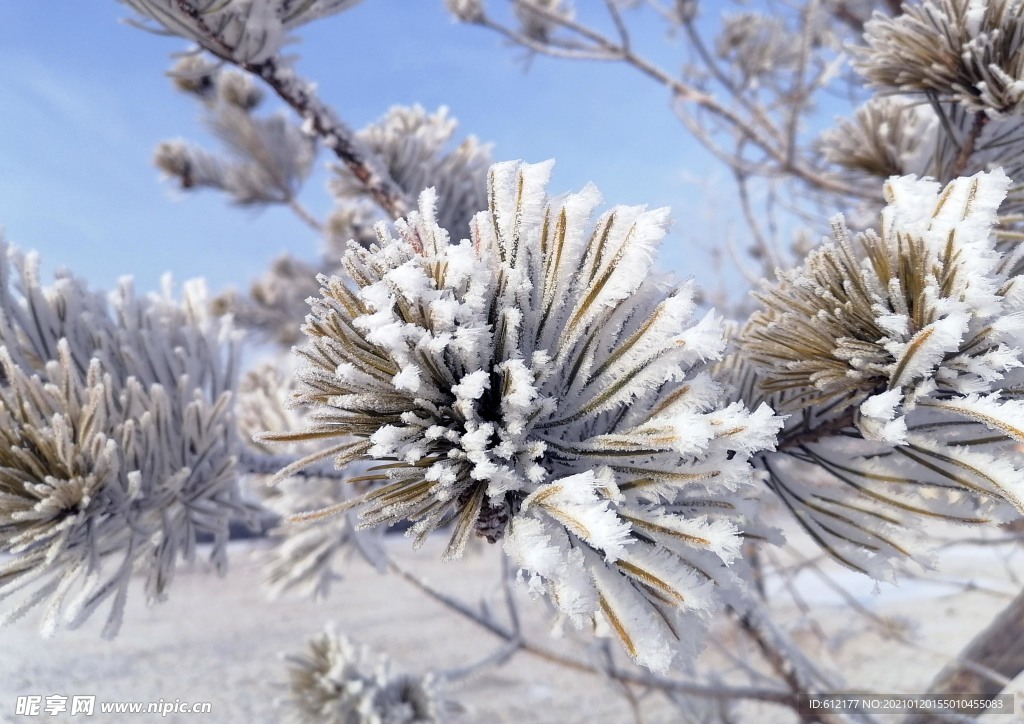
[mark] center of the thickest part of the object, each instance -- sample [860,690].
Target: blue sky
[84,100]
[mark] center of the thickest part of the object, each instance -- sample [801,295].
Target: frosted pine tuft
[415,148]
[901,135]
[536,383]
[887,136]
[117,442]
[467,11]
[338,682]
[899,353]
[534,22]
[244,31]
[756,45]
[305,559]
[970,51]
[266,158]
[274,301]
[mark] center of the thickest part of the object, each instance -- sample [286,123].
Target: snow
[220,639]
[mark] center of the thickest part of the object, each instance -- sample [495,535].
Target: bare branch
[718,692]
[759,129]
[986,666]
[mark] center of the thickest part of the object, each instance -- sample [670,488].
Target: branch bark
[984,668]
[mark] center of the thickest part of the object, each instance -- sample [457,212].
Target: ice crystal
[117,441]
[899,353]
[535,382]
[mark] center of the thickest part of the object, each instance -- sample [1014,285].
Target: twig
[308,218]
[776,696]
[798,600]
[761,131]
[620,26]
[507,575]
[322,122]
[967,148]
[496,658]
[627,692]
[784,668]
[770,260]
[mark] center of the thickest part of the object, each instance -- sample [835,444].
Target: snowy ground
[221,640]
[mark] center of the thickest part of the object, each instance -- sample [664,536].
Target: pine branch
[758,129]
[969,144]
[323,122]
[334,134]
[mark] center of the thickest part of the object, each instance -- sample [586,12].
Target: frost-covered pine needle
[245,31]
[338,682]
[117,441]
[970,51]
[899,354]
[536,383]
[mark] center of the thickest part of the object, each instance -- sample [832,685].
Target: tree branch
[986,666]
[323,123]
[717,692]
[759,130]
